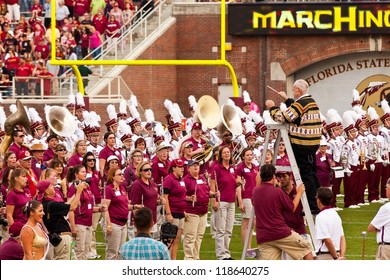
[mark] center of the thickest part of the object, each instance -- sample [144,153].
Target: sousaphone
[20,117]
[61,121]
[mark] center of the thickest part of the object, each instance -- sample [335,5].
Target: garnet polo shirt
[142,193]
[249,174]
[19,199]
[159,169]
[226,182]
[176,189]
[202,194]
[118,209]
[106,152]
[84,211]
[269,203]
[295,219]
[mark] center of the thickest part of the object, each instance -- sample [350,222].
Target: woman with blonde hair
[35,241]
[117,204]
[80,149]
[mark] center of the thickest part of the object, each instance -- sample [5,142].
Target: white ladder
[283,133]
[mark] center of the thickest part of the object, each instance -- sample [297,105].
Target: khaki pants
[114,241]
[294,245]
[63,250]
[383,252]
[224,220]
[91,251]
[194,228]
[83,241]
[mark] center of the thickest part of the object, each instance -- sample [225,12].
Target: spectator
[97,6]
[99,21]
[46,76]
[70,5]
[272,233]
[381,226]
[25,6]
[47,9]
[143,247]
[86,20]
[117,12]
[10,42]
[12,248]
[95,42]
[23,70]
[12,62]
[128,13]
[81,7]
[62,12]
[330,243]
[5,85]
[42,48]
[112,31]
[25,47]
[13,10]
[37,82]
[36,9]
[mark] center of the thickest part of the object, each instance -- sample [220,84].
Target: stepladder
[282,133]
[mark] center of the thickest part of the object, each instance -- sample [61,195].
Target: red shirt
[18,199]
[176,190]
[37,8]
[75,159]
[226,181]
[100,23]
[159,170]
[269,203]
[201,189]
[142,193]
[16,149]
[81,7]
[112,27]
[249,174]
[12,62]
[84,211]
[118,209]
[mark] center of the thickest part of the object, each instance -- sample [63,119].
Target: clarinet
[193,201]
[162,195]
[218,197]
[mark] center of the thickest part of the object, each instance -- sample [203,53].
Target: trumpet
[363,159]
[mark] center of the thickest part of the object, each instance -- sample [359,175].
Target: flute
[193,201]
[218,197]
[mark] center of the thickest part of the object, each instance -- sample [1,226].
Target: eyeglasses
[227,135]
[61,150]
[137,155]
[120,174]
[281,144]
[21,136]
[91,159]
[146,169]
[114,162]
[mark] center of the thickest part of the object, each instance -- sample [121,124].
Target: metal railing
[55,90]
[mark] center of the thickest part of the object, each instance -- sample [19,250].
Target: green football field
[355,221]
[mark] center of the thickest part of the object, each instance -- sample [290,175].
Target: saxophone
[344,162]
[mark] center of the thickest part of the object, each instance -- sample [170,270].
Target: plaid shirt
[143,247]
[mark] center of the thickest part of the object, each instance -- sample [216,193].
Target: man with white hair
[304,118]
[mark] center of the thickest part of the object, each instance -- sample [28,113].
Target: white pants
[14,12]
[83,241]
[224,220]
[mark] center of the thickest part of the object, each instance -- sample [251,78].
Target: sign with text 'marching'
[305,18]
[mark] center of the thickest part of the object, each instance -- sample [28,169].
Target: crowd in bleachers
[81,28]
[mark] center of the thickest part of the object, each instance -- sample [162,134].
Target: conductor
[303,115]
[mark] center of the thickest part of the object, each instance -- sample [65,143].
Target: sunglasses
[91,159]
[61,150]
[228,135]
[21,136]
[146,169]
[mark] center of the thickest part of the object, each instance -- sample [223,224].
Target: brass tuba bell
[231,120]
[20,117]
[61,121]
[208,111]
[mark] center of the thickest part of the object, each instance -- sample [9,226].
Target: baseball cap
[25,155]
[42,186]
[192,162]
[15,229]
[177,163]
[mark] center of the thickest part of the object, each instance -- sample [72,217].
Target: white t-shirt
[382,221]
[328,225]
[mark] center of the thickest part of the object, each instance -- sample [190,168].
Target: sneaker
[384,199]
[339,195]
[338,209]
[374,201]
[253,233]
[353,207]
[250,254]
[360,204]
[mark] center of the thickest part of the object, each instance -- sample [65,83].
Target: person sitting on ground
[144,247]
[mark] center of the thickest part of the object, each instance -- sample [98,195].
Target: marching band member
[79,150]
[224,180]
[250,138]
[193,107]
[122,114]
[93,135]
[246,105]
[260,128]
[324,163]
[127,142]
[349,160]
[248,172]
[334,149]
[37,129]
[197,201]
[112,124]
[385,132]
[37,165]
[185,154]
[79,109]
[376,143]
[175,201]
[135,123]
[361,126]
[108,150]
[18,145]
[149,126]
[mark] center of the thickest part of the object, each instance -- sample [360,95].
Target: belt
[66,233]
[384,243]
[323,253]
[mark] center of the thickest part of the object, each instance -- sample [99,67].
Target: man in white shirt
[330,243]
